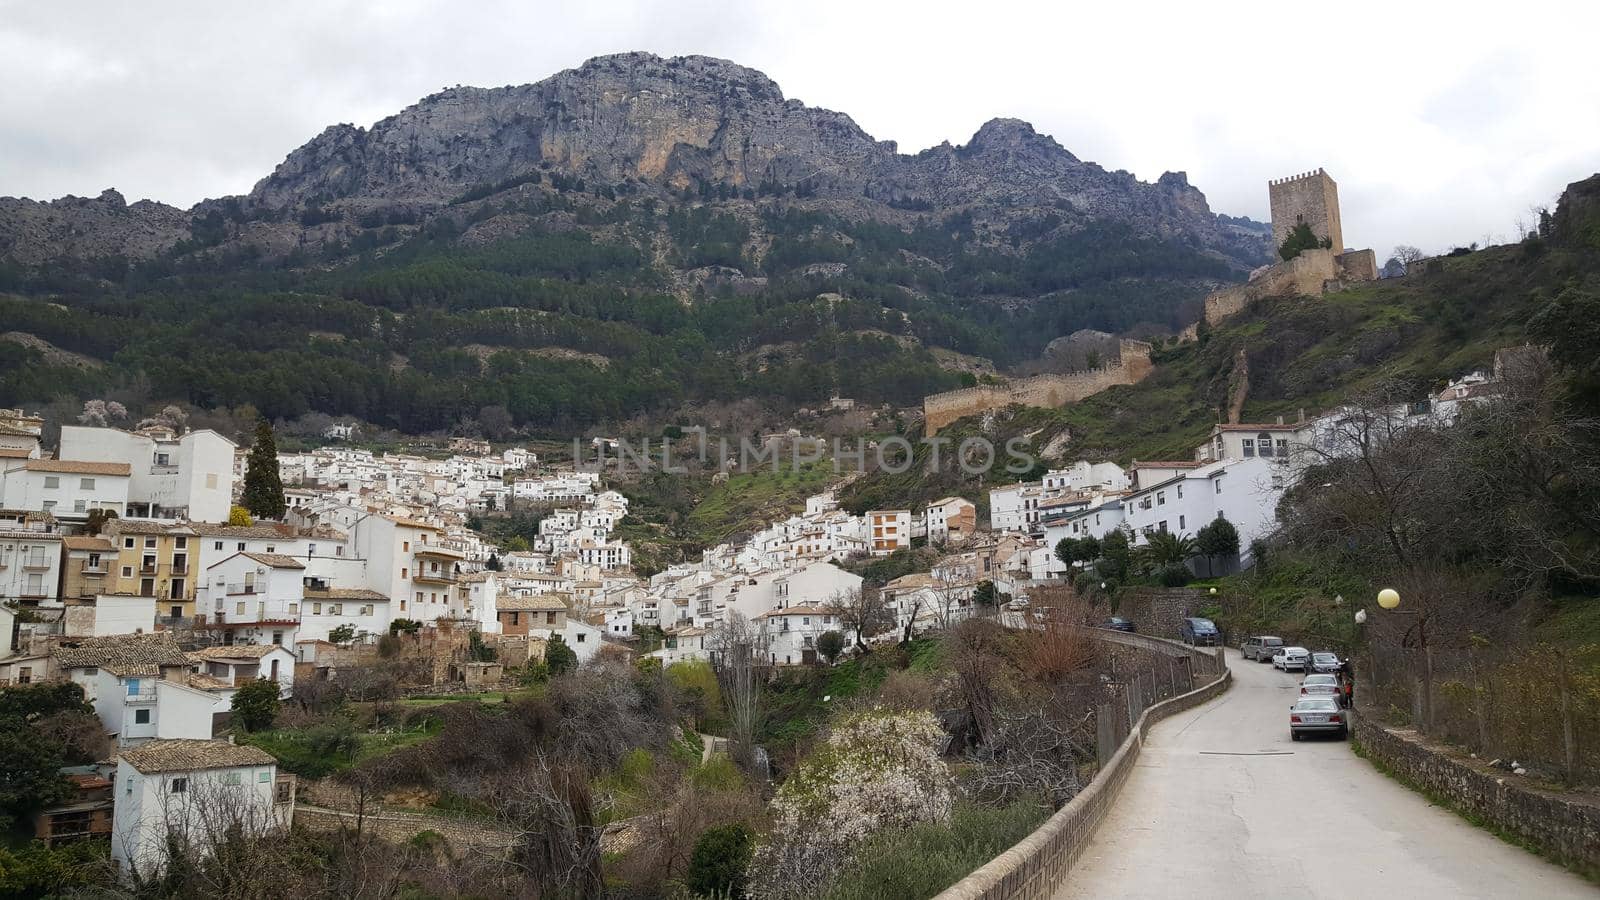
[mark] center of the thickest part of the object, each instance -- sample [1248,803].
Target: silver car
[1260,647]
[1316,715]
[1320,686]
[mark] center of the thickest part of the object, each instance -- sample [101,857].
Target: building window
[240,548]
[179,786]
[230,778]
[141,717]
[1161,498]
[1219,485]
[1283,446]
[404,573]
[1249,447]
[216,545]
[52,482]
[264,776]
[1264,444]
[177,589]
[1180,523]
[149,543]
[316,609]
[127,543]
[49,505]
[133,687]
[211,481]
[581,636]
[1180,492]
[86,484]
[127,571]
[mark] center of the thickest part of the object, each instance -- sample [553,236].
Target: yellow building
[155,560]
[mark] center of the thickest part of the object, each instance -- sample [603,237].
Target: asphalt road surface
[1223,804]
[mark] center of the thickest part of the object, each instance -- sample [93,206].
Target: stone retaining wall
[1566,829]
[1036,867]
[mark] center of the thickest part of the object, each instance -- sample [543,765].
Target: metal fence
[1538,706]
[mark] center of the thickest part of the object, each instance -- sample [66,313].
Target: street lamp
[1388,598]
[1213,592]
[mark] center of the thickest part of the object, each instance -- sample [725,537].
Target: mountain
[619,238]
[636,123]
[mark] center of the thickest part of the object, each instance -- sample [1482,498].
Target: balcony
[434,577]
[245,590]
[36,564]
[145,694]
[148,569]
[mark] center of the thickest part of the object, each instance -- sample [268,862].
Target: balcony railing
[147,569]
[36,563]
[143,695]
[241,590]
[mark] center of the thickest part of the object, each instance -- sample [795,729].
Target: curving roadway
[1223,804]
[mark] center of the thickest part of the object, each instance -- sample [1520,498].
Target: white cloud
[1440,125]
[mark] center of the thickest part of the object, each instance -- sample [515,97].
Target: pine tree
[263,488]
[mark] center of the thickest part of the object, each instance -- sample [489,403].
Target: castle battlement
[1318,172]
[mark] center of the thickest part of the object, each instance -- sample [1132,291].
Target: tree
[1408,256]
[721,855]
[1068,551]
[558,657]
[240,517]
[1300,239]
[830,644]
[32,766]
[255,704]
[1163,548]
[478,651]
[986,596]
[343,634]
[1116,556]
[263,487]
[494,564]
[1219,538]
[861,612]
[97,519]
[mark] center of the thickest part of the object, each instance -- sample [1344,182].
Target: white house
[194,791]
[1243,491]
[30,568]
[889,530]
[171,477]
[67,489]
[255,598]
[791,634]
[950,518]
[242,663]
[138,687]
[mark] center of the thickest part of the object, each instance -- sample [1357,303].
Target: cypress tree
[263,488]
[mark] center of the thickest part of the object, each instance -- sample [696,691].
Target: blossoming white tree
[877,769]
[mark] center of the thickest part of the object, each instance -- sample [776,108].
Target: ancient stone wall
[1302,276]
[1567,829]
[1310,197]
[1358,265]
[1160,611]
[1133,365]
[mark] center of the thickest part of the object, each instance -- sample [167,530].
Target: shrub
[925,859]
[255,704]
[721,855]
[1173,575]
[558,657]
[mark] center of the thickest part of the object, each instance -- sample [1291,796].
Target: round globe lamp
[1388,598]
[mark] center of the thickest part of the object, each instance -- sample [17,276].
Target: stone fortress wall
[1132,365]
[1312,198]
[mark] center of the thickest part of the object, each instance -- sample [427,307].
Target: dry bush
[663,839]
[907,690]
[1062,646]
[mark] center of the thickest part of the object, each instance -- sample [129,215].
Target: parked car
[1320,686]
[1017,604]
[1117,623]
[1316,715]
[1200,633]
[1260,647]
[1326,662]
[1287,658]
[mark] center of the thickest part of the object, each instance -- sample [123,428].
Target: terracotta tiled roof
[15,452]
[1167,464]
[138,526]
[193,755]
[77,467]
[263,532]
[805,610]
[122,654]
[536,603]
[275,560]
[236,651]
[85,542]
[207,683]
[346,594]
[1292,426]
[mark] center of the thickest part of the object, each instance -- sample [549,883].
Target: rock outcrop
[648,125]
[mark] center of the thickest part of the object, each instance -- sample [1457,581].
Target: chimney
[1301,415]
[1280,420]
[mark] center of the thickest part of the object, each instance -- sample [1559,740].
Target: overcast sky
[1440,127]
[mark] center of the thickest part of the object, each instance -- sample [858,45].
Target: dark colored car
[1117,623]
[1200,633]
[1260,647]
[1325,663]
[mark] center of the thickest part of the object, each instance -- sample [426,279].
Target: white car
[1291,658]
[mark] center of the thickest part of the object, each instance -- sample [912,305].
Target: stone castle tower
[1310,197]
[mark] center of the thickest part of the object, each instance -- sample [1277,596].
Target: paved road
[1223,804]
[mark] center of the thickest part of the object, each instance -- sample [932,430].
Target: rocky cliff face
[651,125]
[33,233]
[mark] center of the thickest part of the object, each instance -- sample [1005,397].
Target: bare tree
[1408,255]
[556,845]
[862,611]
[739,653]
